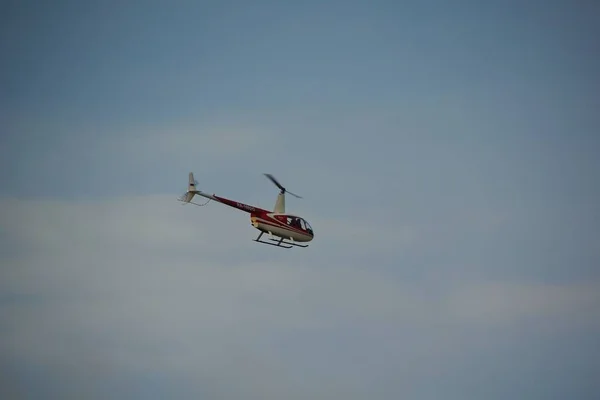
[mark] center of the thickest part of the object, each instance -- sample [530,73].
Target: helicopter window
[289,221]
[308,228]
[302,223]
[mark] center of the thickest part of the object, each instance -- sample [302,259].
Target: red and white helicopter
[275,223]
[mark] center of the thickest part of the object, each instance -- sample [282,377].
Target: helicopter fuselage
[283,225]
[279,224]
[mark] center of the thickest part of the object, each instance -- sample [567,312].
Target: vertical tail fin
[191,183]
[192,190]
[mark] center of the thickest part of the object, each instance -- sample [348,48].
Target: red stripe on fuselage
[282,231]
[265,216]
[240,206]
[268,220]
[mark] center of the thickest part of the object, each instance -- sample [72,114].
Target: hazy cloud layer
[130,297]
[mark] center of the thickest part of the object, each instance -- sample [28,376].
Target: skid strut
[279,242]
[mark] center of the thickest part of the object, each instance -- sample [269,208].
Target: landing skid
[279,242]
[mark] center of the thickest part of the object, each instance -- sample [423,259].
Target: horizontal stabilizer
[187,197]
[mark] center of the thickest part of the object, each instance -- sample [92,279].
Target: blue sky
[446,153]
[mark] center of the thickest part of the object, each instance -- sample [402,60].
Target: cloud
[145,291]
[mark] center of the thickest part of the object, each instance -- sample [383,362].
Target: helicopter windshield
[307,226]
[300,223]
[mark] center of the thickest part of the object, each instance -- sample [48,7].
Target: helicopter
[284,230]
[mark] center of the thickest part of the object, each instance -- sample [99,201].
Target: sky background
[447,153]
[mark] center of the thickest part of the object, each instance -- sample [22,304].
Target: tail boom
[240,206]
[193,191]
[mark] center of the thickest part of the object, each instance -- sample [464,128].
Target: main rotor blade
[272,178]
[295,195]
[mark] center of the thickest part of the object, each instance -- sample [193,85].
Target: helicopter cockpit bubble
[306,226]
